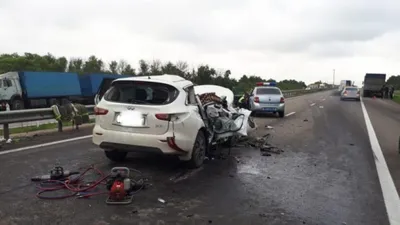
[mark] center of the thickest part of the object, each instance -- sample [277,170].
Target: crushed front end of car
[223,122]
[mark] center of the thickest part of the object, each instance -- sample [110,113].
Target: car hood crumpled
[218,90]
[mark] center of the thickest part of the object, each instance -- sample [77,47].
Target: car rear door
[188,123]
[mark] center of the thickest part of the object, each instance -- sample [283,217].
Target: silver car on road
[267,98]
[350,93]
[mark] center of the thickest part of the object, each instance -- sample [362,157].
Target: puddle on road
[248,169]
[184,175]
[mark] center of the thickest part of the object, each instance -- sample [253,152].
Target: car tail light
[345,93]
[171,143]
[282,100]
[358,92]
[257,99]
[100,111]
[163,116]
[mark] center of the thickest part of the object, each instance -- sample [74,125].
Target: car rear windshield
[267,91]
[352,89]
[144,93]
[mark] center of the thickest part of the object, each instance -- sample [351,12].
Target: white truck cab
[10,90]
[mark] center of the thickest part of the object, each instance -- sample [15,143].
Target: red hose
[75,186]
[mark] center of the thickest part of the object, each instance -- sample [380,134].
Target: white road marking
[390,195]
[44,145]
[312,104]
[323,99]
[289,114]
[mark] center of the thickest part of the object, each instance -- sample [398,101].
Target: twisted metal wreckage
[224,123]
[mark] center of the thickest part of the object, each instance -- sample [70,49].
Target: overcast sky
[285,39]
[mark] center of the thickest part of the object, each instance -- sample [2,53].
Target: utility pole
[333,77]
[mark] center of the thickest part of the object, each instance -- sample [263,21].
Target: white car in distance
[150,113]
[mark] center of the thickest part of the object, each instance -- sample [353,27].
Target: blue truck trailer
[37,89]
[24,90]
[90,83]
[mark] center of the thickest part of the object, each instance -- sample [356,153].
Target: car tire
[116,156]
[198,151]
[281,114]
[17,104]
[251,122]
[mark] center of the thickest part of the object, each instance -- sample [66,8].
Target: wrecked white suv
[160,114]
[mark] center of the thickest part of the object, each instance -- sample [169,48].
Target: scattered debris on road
[265,154]
[271,149]
[134,211]
[183,175]
[305,120]
[161,200]
[262,144]
[268,127]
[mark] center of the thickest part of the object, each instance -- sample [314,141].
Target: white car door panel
[186,127]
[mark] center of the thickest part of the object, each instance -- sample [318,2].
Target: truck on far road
[27,90]
[343,84]
[23,90]
[373,83]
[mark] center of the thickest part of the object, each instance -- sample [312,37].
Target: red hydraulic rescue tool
[119,186]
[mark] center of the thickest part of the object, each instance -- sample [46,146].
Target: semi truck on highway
[25,90]
[343,84]
[373,83]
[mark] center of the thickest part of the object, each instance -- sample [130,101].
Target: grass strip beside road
[396,96]
[48,126]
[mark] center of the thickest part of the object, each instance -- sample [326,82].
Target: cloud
[281,39]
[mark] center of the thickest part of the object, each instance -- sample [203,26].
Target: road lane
[293,106]
[344,185]
[385,118]
[325,176]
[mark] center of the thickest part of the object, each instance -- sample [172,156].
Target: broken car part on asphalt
[262,144]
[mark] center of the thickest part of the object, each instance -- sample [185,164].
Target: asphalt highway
[326,174]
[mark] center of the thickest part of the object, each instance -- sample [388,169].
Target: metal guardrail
[18,116]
